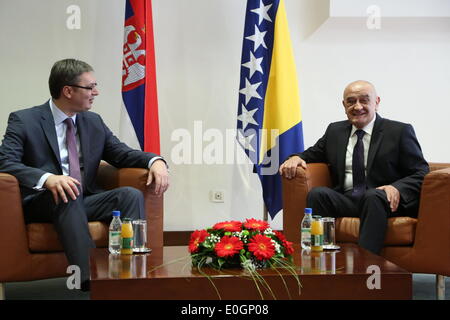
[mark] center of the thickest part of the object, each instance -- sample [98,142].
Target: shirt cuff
[156,158]
[40,184]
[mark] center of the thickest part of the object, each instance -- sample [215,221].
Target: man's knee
[317,194]
[131,201]
[373,195]
[130,193]
[374,202]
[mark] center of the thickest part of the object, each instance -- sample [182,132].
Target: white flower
[276,245]
[237,234]
[268,232]
[248,265]
[241,235]
[213,239]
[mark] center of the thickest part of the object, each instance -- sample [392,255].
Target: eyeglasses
[94,86]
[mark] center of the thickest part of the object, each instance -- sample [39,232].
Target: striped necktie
[359,175]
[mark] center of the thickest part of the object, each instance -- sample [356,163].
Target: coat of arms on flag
[133,69]
[139,78]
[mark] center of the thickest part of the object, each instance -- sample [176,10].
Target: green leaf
[207,245]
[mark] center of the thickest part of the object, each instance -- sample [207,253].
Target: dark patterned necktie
[359,176]
[74,161]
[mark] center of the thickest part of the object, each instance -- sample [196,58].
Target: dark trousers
[372,208]
[71,219]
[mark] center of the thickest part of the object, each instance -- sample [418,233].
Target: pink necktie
[74,161]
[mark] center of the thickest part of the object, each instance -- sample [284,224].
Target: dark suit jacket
[30,148]
[395,157]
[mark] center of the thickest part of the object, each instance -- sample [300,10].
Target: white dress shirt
[348,180]
[61,128]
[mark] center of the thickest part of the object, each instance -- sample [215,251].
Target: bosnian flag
[269,122]
[139,125]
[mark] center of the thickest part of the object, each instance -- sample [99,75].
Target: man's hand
[61,186]
[289,167]
[393,196]
[159,173]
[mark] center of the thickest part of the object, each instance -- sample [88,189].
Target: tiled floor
[56,289]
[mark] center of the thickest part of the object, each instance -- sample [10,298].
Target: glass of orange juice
[127,237]
[317,234]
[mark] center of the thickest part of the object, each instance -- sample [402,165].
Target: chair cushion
[42,237]
[400,231]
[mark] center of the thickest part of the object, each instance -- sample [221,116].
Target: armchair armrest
[432,239]
[109,177]
[15,257]
[438,165]
[294,196]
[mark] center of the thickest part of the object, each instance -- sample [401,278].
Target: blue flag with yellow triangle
[269,122]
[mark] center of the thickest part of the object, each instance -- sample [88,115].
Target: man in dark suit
[54,151]
[376,166]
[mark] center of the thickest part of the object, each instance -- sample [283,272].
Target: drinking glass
[329,234]
[140,236]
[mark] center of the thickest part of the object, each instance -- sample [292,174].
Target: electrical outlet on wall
[217,196]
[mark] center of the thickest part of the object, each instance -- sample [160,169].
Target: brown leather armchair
[419,245]
[33,251]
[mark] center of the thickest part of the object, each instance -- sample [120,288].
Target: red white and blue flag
[139,123]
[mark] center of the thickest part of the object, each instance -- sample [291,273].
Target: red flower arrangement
[253,224]
[228,246]
[231,226]
[197,237]
[286,244]
[251,244]
[261,247]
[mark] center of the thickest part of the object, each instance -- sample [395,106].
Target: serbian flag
[269,122]
[139,125]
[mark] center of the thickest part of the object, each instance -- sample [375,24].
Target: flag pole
[265,213]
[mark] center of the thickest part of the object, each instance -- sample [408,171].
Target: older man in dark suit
[54,151]
[376,166]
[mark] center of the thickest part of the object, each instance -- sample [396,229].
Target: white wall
[390,8]
[198,48]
